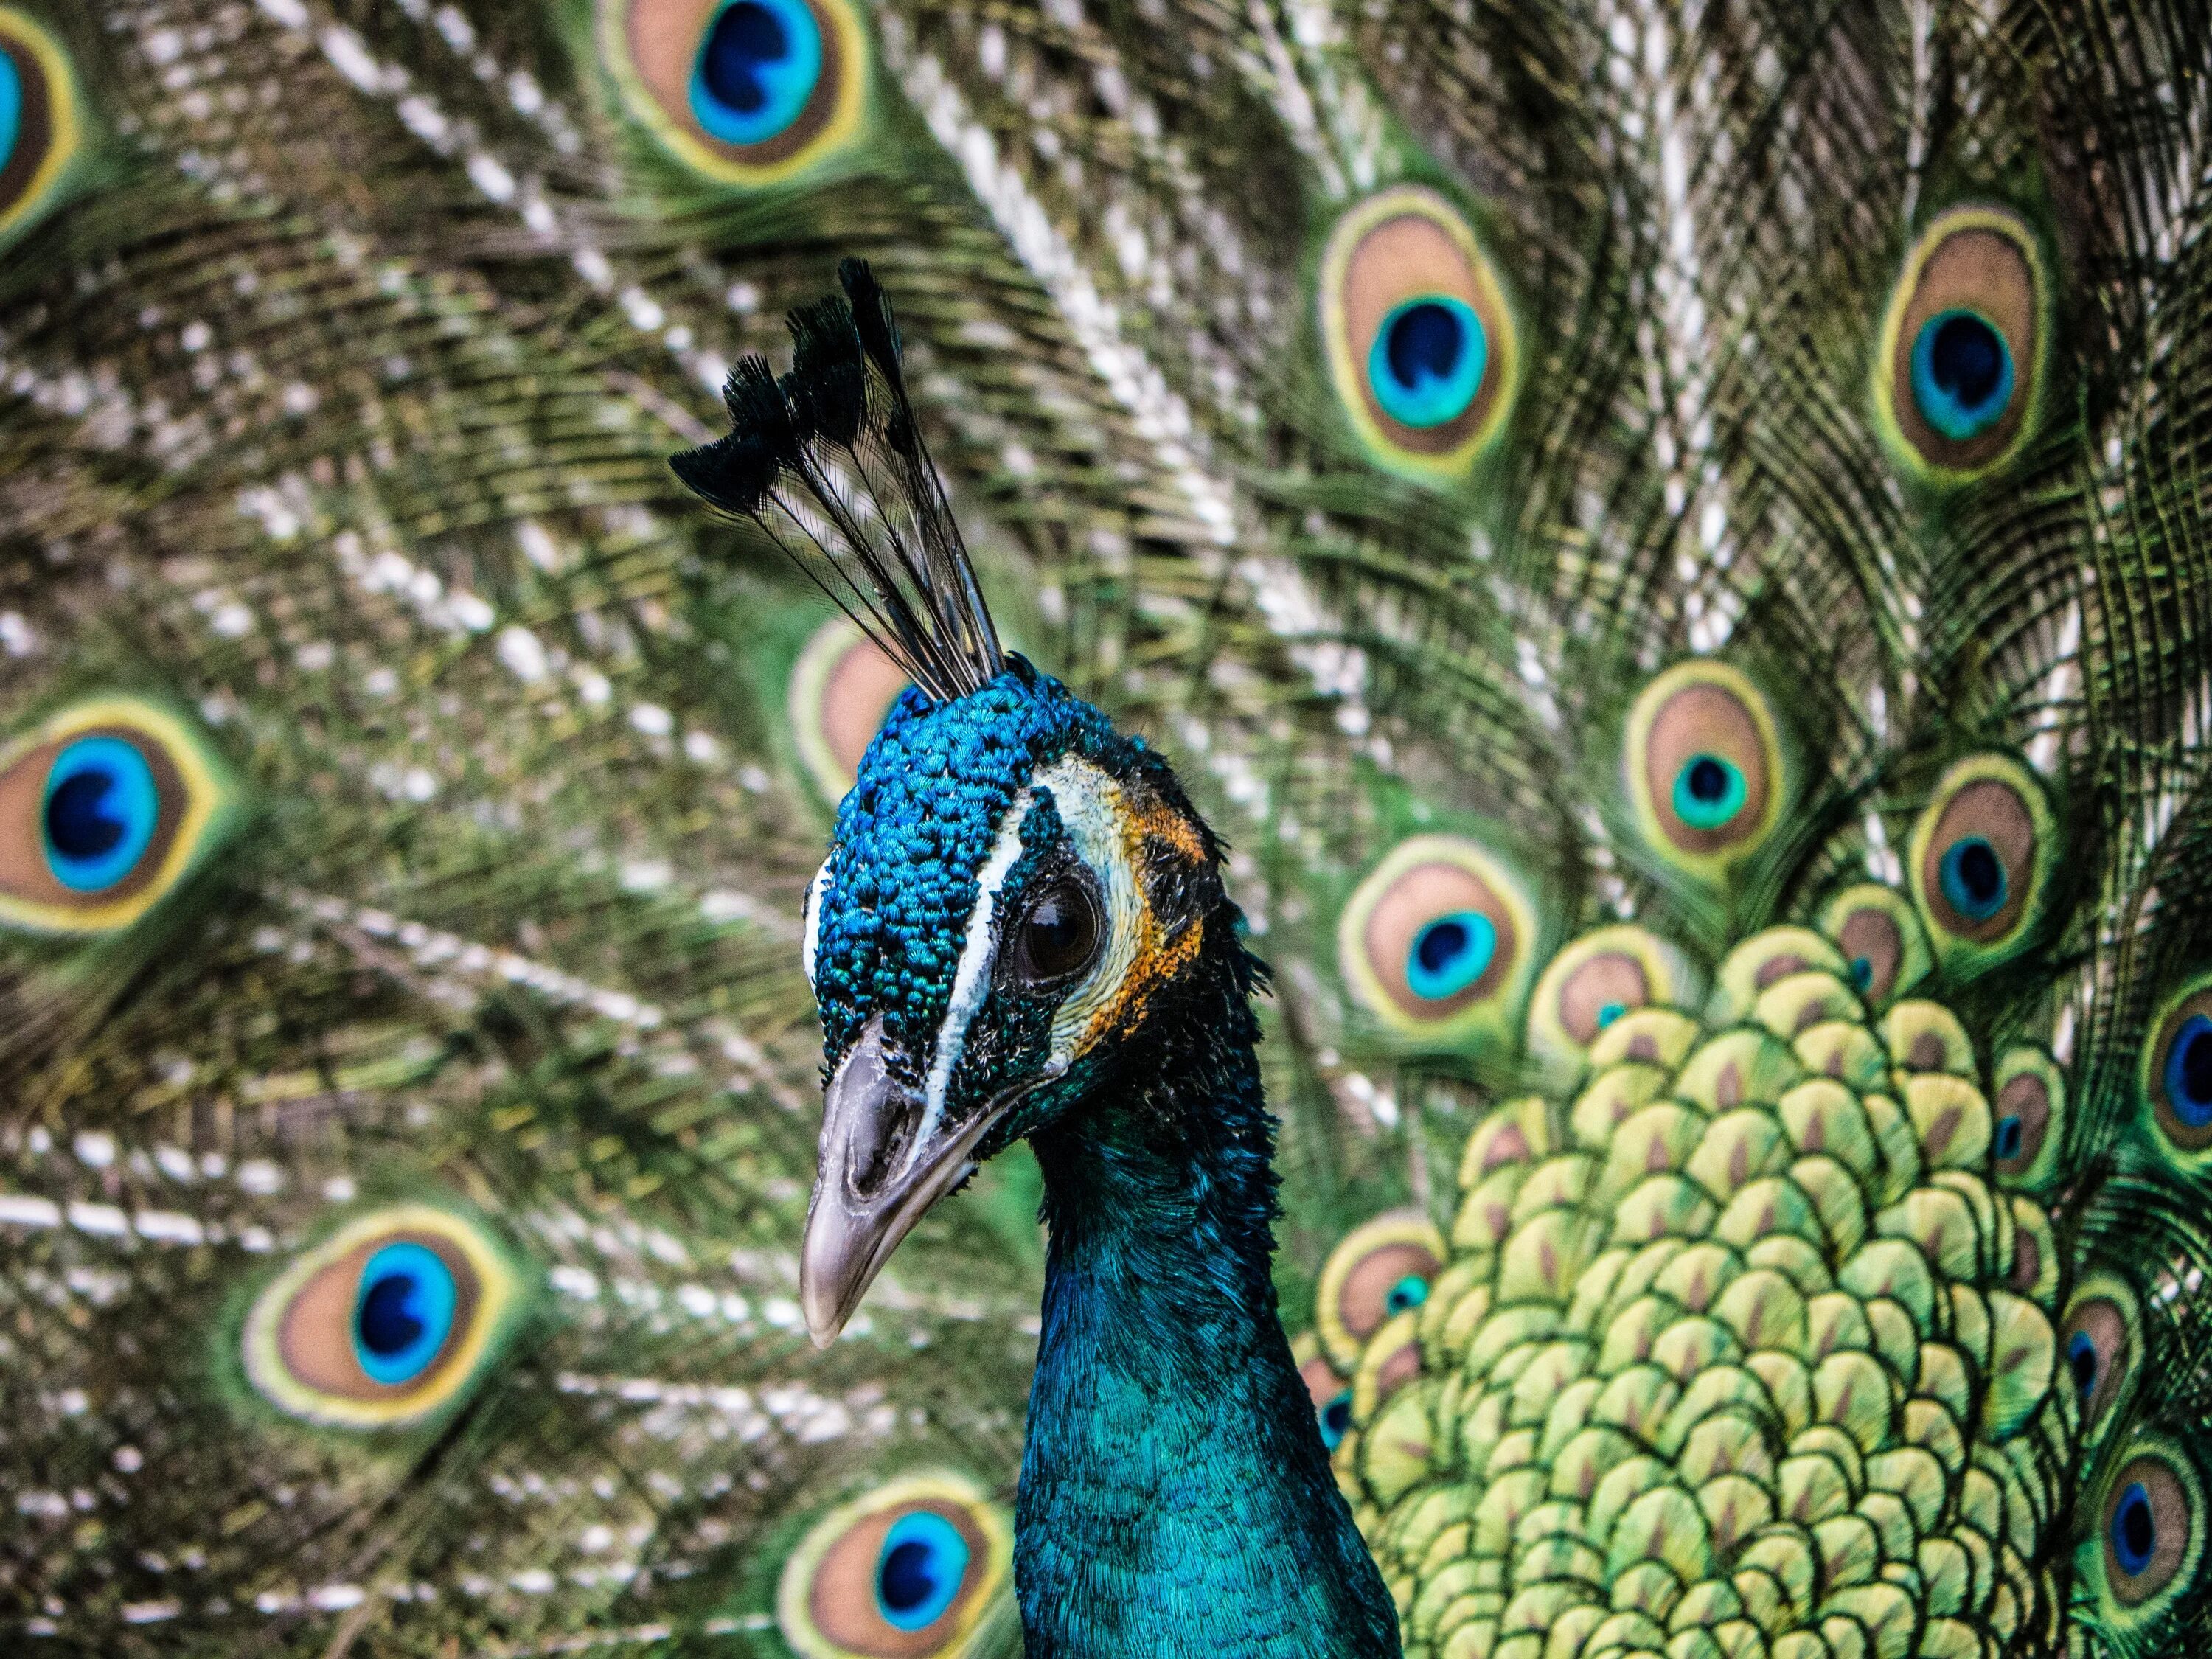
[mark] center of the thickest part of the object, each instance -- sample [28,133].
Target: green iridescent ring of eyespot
[1704,767]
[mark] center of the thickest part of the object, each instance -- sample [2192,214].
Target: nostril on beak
[879,1147]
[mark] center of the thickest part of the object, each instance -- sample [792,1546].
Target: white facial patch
[810,921]
[1092,807]
[971,979]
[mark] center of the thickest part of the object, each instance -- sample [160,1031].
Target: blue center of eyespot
[11,108]
[2081,1364]
[2135,1531]
[2189,1072]
[1427,360]
[1708,792]
[2007,1138]
[402,1313]
[757,67]
[1961,373]
[1450,953]
[1336,1420]
[1972,878]
[1861,972]
[919,1572]
[1410,1291]
[101,809]
[1610,1012]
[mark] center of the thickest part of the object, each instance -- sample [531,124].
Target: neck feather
[1176,1498]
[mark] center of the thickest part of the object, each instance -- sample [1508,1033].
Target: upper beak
[876,1179]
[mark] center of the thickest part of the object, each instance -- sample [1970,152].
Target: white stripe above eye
[971,979]
[809,926]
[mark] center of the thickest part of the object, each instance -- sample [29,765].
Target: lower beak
[879,1172]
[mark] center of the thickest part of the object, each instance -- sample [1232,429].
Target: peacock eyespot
[103,810]
[1377,1270]
[1884,949]
[748,92]
[1705,767]
[1059,935]
[1595,982]
[1434,940]
[2177,1070]
[1335,1419]
[904,1571]
[1419,344]
[381,1325]
[1981,860]
[2153,1528]
[2098,1341]
[841,686]
[39,124]
[1963,343]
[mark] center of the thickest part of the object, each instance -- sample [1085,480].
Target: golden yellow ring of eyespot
[1346,361]
[204,796]
[64,128]
[795,1586]
[847,112]
[495,1299]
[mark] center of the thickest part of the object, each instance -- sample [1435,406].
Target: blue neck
[1176,1498]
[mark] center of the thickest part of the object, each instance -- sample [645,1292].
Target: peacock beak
[883,1163]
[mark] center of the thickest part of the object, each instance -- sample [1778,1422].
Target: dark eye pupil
[1966,359]
[387,1320]
[2137,1530]
[1060,932]
[1979,873]
[1425,340]
[2009,1135]
[1707,782]
[745,37]
[2082,1362]
[1440,944]
[905,1580]
[2197,1066]
[76,822]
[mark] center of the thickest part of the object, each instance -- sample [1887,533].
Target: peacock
[1598,612]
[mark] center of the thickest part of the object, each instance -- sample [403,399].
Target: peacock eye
[906,1571]
[1883,946]
[1982,854]
[101,813]
[381,1324]
[1059,935]
[1962,344]
[39,122]
[1435,938]
[2177,1069]
[1379,1269]
[1419,344]
[746,91]
[1704,766]
[841,686]
[2151,1527]
[2189,1072]
[1335,1419]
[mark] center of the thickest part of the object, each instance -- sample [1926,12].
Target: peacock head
[1014,892]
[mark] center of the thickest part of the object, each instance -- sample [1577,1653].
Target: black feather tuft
[829,461]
